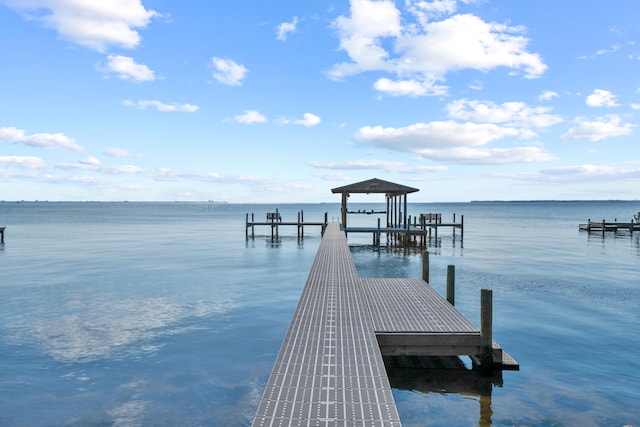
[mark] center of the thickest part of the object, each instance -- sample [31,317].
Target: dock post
[246,227]
[461,227]
[603,227]
[451,284]
[253,227]
[425,266]
[299,226]
[486,328]
[326,223]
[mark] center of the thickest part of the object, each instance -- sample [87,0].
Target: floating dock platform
[330,370]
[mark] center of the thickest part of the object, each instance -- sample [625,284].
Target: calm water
[131,314]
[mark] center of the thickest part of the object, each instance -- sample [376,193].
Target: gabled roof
[375,185]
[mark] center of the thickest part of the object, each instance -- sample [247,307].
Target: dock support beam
[451,284]
[486,328]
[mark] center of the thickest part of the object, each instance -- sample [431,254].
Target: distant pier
[2,234]
[274,221]
[603,226]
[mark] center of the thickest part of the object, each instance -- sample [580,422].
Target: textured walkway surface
[329,371]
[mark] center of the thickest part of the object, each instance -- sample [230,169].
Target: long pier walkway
[330,369]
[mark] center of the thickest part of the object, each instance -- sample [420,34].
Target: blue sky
[253,101]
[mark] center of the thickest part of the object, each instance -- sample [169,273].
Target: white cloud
[454,142]
[588,172]
[435,135]
[161,106]
[250,117]
[127,69]
[509,113]
[308,120]
[548,95]
[411,88]
[44,140]
[91,161]
[609,126]
[93,164]
[490,156]
[228,72]
[385,165]
[286,28]
[601,98]
[117,152]
[23,162]
[90,23]
[427,10]
[377,37]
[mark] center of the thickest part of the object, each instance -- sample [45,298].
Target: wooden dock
[274,221]
[330,369]
[603,226]
[416,233]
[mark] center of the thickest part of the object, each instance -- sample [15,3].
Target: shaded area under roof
[375,185]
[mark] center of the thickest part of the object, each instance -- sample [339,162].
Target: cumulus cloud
[601,98]
[435,135]
[228,72]
[508,113]
[285,28]
[161,106]
[454,142]
[307,120]
[250,117]
[548,95]
[22,162]
[609,126]
[126,68]
[412,87]
[377,36]
[93,24]
[44,140]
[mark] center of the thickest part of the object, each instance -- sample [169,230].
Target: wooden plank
[411,305]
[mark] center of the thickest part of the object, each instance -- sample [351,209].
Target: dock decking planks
[329,370]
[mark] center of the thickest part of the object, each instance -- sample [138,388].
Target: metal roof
[375,185]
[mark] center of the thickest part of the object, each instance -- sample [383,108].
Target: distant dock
[2,234]
[331,368]
[603,226]
[274,221]
[416,233]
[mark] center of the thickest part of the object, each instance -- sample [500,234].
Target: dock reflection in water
[444,375]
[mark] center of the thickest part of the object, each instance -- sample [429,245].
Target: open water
[162,314]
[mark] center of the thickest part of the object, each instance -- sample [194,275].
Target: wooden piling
[486,327]
[451,284]
[425,266]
